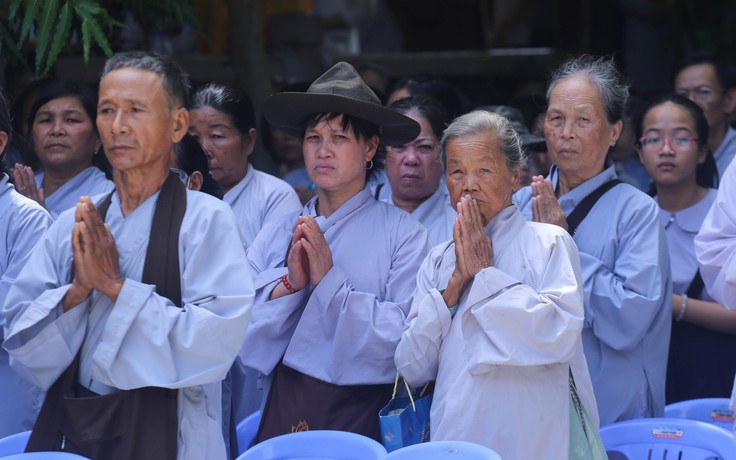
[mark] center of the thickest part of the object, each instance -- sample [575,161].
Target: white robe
[627,293]
[501,364]
[258,199]
[715,247]
[434,213]
[142,339]
[89,182]
[22,223]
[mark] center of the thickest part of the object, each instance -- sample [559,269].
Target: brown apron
[139,424]
[298,402]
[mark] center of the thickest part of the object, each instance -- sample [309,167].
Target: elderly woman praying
[497,315]
[623,249]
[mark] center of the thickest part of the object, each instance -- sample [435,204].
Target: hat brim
[288,111]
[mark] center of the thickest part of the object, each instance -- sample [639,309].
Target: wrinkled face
[64,136]
[670,152]
[137,127]
[414,169]
[335,159]
[700,84]
[476,166]
[227,149]
[577,130]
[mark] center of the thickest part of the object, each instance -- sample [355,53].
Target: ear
[371,147]
[702,153]
[516,178]
[195,181]
[638,152]
[616,131]
[181,124]
[249,142]
[729,101]
[3,142]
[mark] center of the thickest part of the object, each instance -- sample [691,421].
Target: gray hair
[602,72]
[173,79]
[483,122]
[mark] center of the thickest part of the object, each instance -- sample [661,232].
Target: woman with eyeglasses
[65,140]
[673,147]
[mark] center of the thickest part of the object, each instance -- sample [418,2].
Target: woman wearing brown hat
[334,283]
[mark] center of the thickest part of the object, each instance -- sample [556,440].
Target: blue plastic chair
[668,439]
[451,450]
[45,456]
[712,410]
[318,444]
[247,429]
[14,443]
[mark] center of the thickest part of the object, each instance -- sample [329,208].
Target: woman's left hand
[317,250]
[476,251]
[25,184]
[545,207]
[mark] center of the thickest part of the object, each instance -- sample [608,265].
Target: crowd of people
[157,288]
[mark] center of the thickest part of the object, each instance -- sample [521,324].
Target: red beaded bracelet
[287,285]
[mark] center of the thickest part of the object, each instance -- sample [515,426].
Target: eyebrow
[136,102]
[218,125]
[65,111]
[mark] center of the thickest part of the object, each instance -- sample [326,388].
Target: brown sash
[139,424]
[298,402]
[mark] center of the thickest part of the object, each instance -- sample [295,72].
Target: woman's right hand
[25,184]
[298,262]
[473,249]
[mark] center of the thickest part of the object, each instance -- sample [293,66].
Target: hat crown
[343,80]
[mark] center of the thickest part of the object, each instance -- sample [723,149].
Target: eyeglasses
[654,144]
[183,176]
[700,93]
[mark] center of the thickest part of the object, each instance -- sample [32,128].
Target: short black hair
[233,102]
[174,80]
[724,72]
[190,156]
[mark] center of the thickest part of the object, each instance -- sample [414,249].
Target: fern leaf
[99,36]
[88,6]
[63,31]
[30,16]
[46,19]
[8,39]
[86,39]
[13,10]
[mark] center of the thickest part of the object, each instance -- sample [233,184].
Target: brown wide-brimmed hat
[339,90]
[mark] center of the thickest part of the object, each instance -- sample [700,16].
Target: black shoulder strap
[583,208]
[695,290]
[378,190]
[161,267]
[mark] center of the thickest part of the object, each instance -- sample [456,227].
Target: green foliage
[52,22]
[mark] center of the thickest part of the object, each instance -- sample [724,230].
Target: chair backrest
[318,444]
[451,450]
[668,439]
[247,429]
[14,443]
[712,410]
[45,456]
